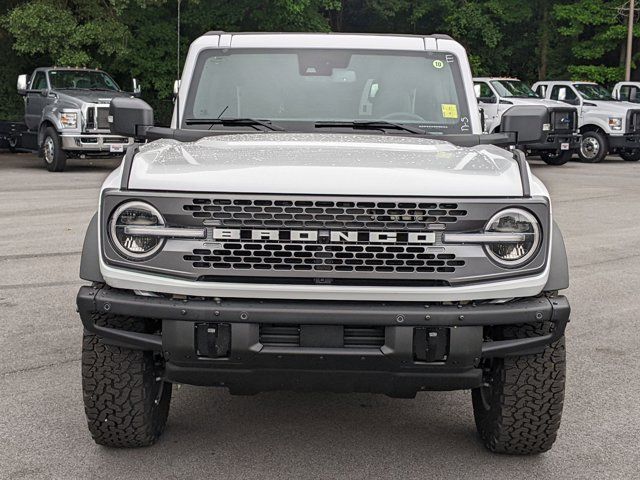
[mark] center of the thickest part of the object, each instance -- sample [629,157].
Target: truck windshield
[81,79]
[591,91]
[513,88]
[424,89]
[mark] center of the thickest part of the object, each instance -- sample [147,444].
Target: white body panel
[594,112]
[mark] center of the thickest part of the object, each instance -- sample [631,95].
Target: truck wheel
[518,410]
[556,157]
[630,154]
[593,147]
[125,399]
[55,159]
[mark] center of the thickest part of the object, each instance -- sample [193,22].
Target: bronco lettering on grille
[325,236]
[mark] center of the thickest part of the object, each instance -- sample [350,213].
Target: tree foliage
[137,38]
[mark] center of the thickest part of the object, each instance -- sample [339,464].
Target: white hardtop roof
[372,41]
[564,82]
[488,79]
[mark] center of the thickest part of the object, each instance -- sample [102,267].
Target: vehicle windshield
[513,88]
[82,79]
[423,89]
[591,91]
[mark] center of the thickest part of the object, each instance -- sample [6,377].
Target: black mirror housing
[527,122]
[130,117]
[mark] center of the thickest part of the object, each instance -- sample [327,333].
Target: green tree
[595,31]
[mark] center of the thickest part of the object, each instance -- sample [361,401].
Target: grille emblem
[328,236]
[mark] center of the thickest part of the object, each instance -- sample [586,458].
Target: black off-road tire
[518,411]
[630,154]
[556,157]
[594,147]
[125,400]
[54,157]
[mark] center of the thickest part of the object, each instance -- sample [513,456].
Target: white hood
[325,164]
[536,101]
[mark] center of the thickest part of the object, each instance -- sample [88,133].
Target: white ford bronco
[325,213]
[607,125]
[497,94]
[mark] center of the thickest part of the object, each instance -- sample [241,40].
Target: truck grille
[323,214]
[324,258]
[564,120]
[633,121]
[320,240]
[102,118]
[98,118]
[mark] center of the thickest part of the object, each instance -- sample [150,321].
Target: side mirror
[23,82]
[136,88]
[527,122]
[176,88]
[130,117]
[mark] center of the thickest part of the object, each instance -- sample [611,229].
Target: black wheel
[55,159]
[518,410]
[13,144]
[630,154]
[556,157]
[125,399]
[593,147]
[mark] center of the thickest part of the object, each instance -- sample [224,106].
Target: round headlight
[521,223]
[136,247]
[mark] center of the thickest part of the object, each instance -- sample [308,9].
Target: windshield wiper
[370,125]
[102,89]
[249,122]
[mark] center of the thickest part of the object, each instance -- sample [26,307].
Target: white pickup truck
[608,126]
[325,213]
[497,94]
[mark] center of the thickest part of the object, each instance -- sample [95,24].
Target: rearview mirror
[130,117]
[23,81]
[527,122]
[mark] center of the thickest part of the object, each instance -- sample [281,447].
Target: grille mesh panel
[324,258]
[102,118]
[323,214]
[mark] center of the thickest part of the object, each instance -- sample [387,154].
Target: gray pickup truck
[66,114]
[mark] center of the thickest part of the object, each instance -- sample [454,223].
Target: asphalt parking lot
[211,434]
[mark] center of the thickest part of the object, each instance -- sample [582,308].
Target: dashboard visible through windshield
[418,89]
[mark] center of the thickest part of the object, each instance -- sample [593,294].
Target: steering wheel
[399,116]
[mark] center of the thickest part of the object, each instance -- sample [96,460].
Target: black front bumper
[257,345]
[628,140]
[554,140]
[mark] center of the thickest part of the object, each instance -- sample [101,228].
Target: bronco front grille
[267,213]
[320,240]
[324,258]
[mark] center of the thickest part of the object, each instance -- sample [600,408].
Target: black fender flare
[90,260]
[559,272]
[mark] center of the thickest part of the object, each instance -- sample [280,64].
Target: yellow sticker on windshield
[449,110]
